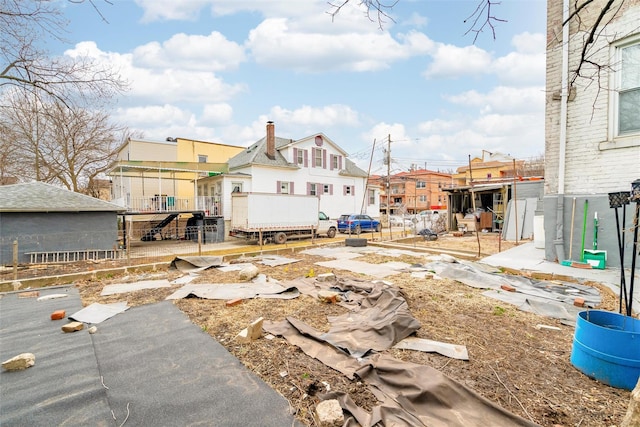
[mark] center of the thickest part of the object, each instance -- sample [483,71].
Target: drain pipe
[559,241]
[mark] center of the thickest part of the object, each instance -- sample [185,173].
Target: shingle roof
[350,169]
[41,197]
[256,154]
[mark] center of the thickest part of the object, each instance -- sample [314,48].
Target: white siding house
[592,125]
[313,165]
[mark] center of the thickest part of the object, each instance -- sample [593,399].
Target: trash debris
[73,327]
[92,330]
[20,362]
[428,346]
[96,312]
[551,328]
[52,296]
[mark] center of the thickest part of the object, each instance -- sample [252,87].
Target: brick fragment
[578,302]
[508,288]
[58,314]
[233,302]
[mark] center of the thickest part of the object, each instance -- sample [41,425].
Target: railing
[211,205]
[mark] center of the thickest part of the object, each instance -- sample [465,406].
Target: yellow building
[163,175]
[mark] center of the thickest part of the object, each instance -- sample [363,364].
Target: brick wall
[590,166]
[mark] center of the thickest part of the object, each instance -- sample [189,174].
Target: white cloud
[503,99]
[192,52]
[520,69]
[167,10]
[452,61]
[216,114]
[275,44]
[529,43]
[165,85]
[151,116]
[319,118]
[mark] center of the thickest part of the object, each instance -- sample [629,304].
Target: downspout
[559,241]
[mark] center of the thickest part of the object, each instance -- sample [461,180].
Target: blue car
[356,223]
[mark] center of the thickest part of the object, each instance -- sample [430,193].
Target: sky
[218,70]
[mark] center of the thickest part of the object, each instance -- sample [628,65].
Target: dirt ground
[512,363]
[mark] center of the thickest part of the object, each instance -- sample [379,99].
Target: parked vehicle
[356,223]
[278,217]
[401,221]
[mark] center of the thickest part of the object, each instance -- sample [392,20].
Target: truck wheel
[358,229]
[378,228]
[280,238]
[331,233]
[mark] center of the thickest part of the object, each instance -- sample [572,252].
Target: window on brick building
[628,89]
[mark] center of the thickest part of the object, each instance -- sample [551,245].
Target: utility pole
[388,159]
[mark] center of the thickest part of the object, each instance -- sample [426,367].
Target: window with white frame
[300,157]
[317,158]
[421,184]
[202,158]
[284,187]
[313,189]
[334,162]
[625,98]
[423,198]
[372,197]
[236,187]
[629,90]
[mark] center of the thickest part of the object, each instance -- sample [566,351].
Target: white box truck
[278,217]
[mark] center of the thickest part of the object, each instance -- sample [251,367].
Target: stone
[329,413]
[331,297]
[20,362]
[249,272]
[508,288]
[93,329]
[58,314]
[252,332]
[73,326]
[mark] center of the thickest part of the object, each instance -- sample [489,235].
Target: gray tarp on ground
[122,288]
[97,313]
[412,394]
[195,263]
[151,358]
[235,290]
[63,387]
[548,298]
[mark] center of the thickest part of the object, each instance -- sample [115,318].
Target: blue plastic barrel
[606,347]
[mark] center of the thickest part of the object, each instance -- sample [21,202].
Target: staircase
[149,236]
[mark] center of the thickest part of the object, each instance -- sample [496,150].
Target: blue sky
[218,70]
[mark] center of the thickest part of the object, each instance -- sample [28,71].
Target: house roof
[41,197]
[256,153]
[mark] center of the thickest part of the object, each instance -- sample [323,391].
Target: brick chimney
[271,140]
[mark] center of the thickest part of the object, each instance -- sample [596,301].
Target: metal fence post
[15,260]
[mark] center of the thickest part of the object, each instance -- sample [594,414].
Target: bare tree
[55,143]
[24,25]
